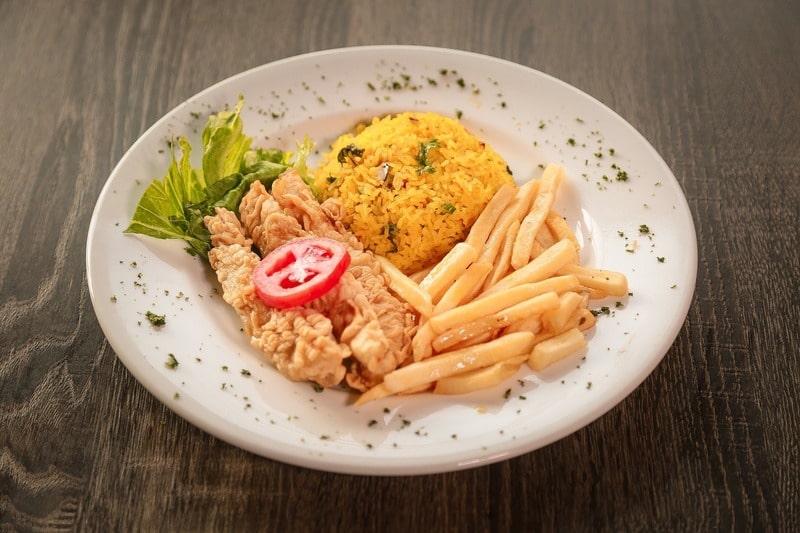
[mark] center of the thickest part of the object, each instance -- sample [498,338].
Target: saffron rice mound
[411,184]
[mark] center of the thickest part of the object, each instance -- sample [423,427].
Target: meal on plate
[406,261]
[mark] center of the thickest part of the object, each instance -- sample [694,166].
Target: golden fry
[488,218]
[451,363]
[560,229]
[515,211]
[419,275]
[537,249]
[463,287]
[531,307]
[556,348]
[531,323]
[556,319]
[584,319]
[545,237]
[502,263]
[422,343]
[542,204]
[608,281]
[595,294]
[482,378]
[467,333]
[406,288]
[479,339]
[500,300]
[448,269]
[375,393]
[544,266]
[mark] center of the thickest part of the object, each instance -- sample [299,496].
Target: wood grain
[708,442]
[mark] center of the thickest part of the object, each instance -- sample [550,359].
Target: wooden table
[708,442]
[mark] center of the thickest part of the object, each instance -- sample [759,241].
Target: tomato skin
[300,271]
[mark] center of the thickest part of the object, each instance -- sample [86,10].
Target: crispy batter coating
[360,316]
[300,341]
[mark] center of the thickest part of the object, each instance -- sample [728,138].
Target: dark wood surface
[708,442]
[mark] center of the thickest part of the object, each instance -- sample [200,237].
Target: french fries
[463,287]
[560,229]
[491,323]
[448,364]
[511,294]
[548,263]
[500,300]
[406,288]
[610,283]
[502,262]
[486,221]
[448,269]
[534,219]
[556,348]
[482,378]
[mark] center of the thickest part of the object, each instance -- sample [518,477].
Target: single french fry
[584,298]
[375,393]
[451,363]
[581,319]
[478,339]
[448,269]
[497,301]
[422,388]
[537,249]
[407,289]
[463,287]
[422,343]
[560,229]
[467,333]
[419,275]
[532,307]
[595,294]
[525,194]
[556,348]
[482,378]
[555,319]
[488,218]
[544,237]
[584,319]
[608,281]
[541,206]
[544,266]
[515,211]
[531,323]
[503,261]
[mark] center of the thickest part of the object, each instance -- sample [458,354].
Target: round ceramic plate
[620,197]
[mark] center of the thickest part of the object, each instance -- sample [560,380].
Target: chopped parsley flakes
[156,320]
[171,361]
[447,209]
[422,158]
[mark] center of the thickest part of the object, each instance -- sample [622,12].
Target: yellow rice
[415,209]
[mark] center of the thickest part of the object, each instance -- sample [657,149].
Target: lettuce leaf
[224,144]
[175,206]
[163,200]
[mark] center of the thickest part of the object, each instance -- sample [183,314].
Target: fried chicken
[299,341]
[362,315]
[297,199]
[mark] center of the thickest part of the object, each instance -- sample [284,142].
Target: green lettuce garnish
[174,206]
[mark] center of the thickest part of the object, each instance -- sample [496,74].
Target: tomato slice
[300,271]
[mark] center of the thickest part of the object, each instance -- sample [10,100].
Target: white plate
[531,119]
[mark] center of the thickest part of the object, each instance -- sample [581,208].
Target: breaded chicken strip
[299,341]
[365,315]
